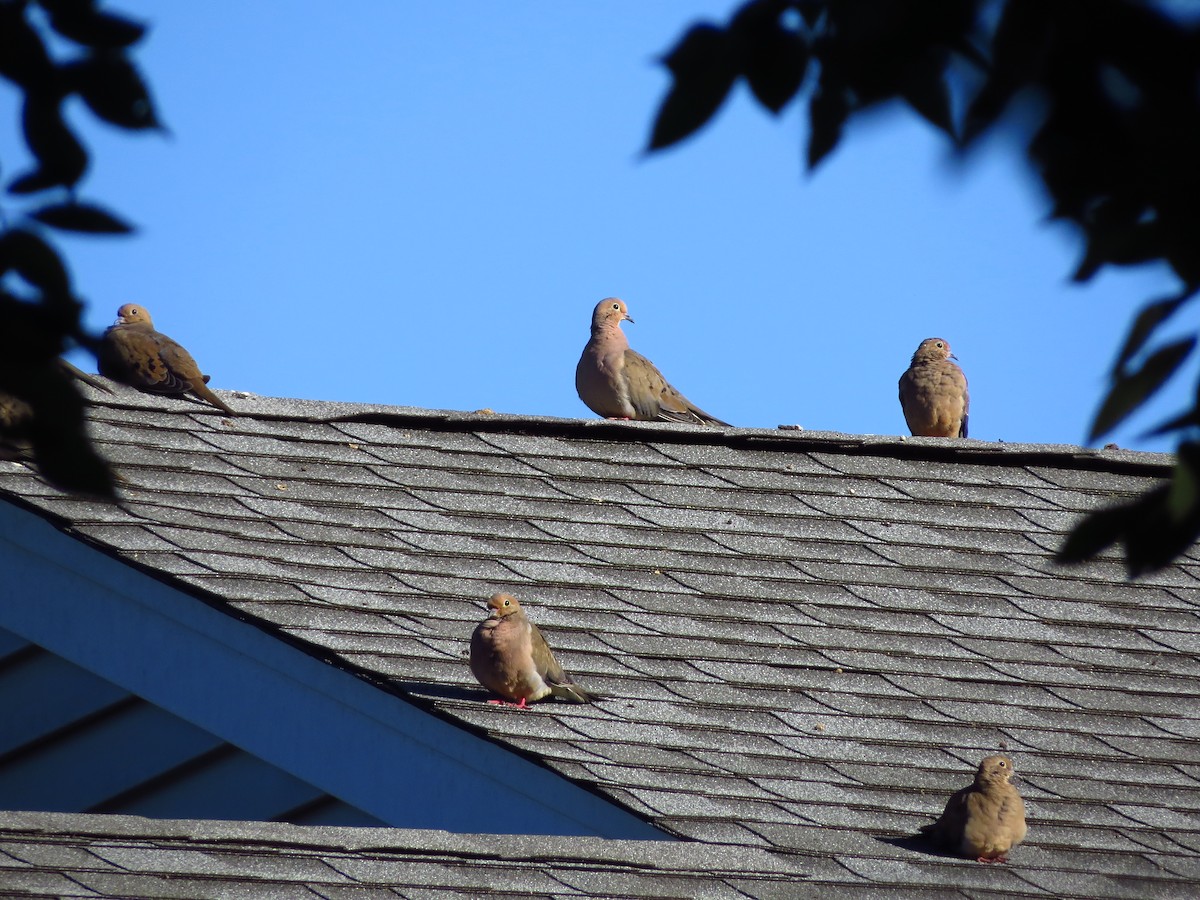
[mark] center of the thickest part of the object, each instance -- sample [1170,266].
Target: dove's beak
[952,356]
[628,317]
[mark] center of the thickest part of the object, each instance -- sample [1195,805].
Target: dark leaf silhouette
[54,429]
[41,410]
[928,93]
[1154,528]
[827,114]
[1151,316]
[1131,390]
[29,337]
[704,69]
[82,217]
[83,23]
[772,57]
[1177,423]
[1104,96]
[34,182]
[113,89]
[23,57]
[1183,251]
[811,11]
[1122,247]
[35,261]
[61,158]
[1183,498]
[1019,51]
[883,48]
[1100,530]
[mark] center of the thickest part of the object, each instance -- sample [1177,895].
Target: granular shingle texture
[125,857]
[807,640]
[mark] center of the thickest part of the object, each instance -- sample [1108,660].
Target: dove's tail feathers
[706,419]
[573,693]
[691,416]
[201,390]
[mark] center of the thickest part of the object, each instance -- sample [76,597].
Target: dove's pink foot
[618,418]
[520,705]
[993,859]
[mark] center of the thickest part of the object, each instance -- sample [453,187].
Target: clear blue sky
[420,203]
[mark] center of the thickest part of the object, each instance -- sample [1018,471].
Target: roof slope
[808,640]
[125,857]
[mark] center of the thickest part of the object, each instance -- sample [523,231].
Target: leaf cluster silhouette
[1116,87]
[39,310]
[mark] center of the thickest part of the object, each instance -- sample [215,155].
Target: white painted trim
[339,733]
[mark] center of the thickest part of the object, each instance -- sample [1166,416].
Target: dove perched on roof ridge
[986,819]
[510,657]
[134,353]
[933,392]
[619,383]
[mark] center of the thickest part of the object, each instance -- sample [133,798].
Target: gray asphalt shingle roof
[126,857]
[807,640]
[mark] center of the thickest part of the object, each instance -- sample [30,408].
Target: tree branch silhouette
[40,313]
[1116,147]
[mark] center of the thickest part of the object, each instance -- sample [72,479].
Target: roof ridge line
[780,439]
[897,447]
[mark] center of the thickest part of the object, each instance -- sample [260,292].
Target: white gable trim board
[314,720]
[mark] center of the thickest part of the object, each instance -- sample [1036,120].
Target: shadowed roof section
[807,641]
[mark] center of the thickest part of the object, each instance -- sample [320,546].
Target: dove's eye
[508,603]
[616,306]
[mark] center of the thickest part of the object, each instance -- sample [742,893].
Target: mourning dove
[510,657]
[933,392]
[619,383]
[135,354]
[985,820]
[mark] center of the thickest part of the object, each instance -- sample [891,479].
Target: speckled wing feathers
[619,383]
[510,657]
[134,353]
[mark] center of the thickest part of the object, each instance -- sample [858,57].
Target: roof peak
[783,438]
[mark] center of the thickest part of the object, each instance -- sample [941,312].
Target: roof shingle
[807,641]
